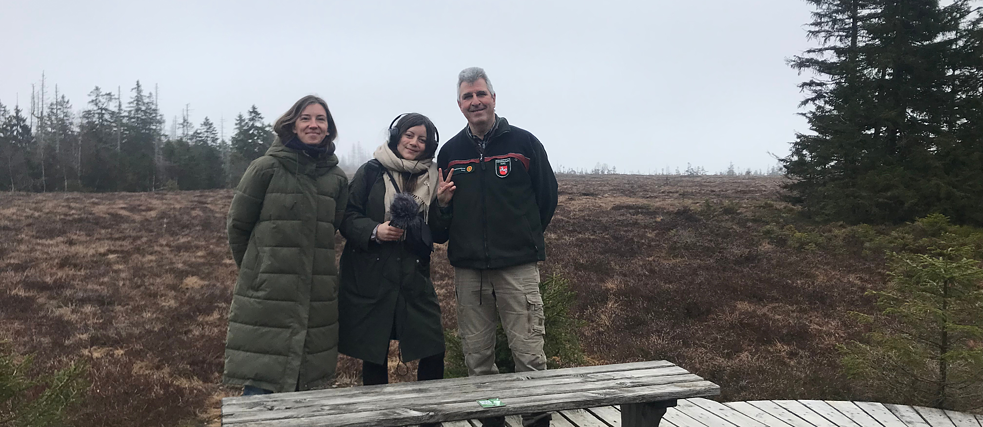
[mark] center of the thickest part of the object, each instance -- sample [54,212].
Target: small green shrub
[925,344]
[562,346]
[36,400]
[731,207]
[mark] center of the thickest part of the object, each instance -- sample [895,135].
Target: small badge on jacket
[503,167]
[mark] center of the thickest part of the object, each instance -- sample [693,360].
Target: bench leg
[644,414]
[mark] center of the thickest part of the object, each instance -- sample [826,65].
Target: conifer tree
[924,347]
[62,134]
[141,131]
[97,137]
[251,140]
[16,141]
[889,78]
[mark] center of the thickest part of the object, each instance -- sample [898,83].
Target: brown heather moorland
[138,286]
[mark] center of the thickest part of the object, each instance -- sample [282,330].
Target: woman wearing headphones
[386,292]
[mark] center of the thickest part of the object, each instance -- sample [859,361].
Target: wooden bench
[644,390]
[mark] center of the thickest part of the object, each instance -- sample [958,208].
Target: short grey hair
[471,75]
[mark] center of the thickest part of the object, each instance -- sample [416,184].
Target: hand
[388,233]
[445,188]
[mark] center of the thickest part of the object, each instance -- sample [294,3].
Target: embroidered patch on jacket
[503,167]
[464,169]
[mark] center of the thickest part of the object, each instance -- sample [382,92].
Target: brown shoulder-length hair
[284,126]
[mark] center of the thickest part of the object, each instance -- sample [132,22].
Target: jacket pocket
[367,270]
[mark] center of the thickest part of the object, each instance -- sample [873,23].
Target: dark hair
[409,120]
[284,126]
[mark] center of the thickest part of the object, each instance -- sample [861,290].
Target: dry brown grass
[138,285]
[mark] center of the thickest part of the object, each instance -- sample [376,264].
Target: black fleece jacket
[505,198]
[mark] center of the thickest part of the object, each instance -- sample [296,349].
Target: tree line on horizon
[114,144]
[117,145]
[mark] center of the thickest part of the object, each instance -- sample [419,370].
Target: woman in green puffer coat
[386,292]
[283,323]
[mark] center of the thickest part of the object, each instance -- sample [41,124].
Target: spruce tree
[141,130]
[206,158]
[62,135]
[884,111]
[924,348]
[97,139]
[251,140]
[17,141]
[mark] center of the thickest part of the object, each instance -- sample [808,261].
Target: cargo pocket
[537,318]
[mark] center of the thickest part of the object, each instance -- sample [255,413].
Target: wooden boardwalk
[769,413]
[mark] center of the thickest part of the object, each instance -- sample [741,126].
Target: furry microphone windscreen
[403,210]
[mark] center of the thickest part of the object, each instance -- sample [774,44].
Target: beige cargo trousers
[513,293]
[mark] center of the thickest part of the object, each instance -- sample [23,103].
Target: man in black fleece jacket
[505,197]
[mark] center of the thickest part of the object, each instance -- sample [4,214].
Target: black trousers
[429,368]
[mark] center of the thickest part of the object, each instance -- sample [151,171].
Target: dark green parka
[386,290]
[283,324]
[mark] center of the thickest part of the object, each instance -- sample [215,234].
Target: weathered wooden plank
[881,414]
[781,413]
[830,413]
[513,421]
[854,413]
[559,421]
[680,419]
[461,423]
[581,418]
[907,414]
[424,403]
[934,417]
[702,415]
[962,419]
[451,382]
[757,414]
[607,414]
[390,393]
[431,403]
[401,415]
[720,410]
[804,412]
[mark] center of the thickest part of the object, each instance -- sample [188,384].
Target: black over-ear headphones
[394,131]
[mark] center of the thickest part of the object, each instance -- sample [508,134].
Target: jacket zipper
[481,191]
[484,211]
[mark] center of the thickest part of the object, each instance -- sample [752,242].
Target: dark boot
[537,420]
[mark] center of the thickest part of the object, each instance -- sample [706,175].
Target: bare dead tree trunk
[60,160]
[940,397]
[40,132]
[157,132]
[10,171]
[78,158]
[119,133]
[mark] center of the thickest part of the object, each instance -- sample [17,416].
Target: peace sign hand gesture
[445,188]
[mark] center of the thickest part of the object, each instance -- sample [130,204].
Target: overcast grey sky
[640,85]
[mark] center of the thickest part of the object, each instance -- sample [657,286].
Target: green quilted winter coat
[283,323]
